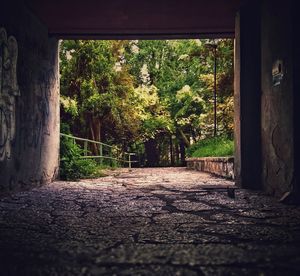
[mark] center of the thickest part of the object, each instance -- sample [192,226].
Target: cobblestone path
[167,221]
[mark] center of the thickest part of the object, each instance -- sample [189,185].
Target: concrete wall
[29,95]
[277,99]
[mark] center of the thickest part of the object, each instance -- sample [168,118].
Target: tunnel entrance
[265,100]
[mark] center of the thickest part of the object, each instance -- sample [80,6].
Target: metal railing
[113,152]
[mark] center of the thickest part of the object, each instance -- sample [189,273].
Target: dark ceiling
[137,18]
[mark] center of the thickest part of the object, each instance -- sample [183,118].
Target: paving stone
[152,221]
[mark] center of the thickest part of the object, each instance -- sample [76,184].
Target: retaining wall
[221,166]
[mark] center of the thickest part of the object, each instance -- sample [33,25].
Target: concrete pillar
[29,100]
[296,99]
[280,89]
[247,96]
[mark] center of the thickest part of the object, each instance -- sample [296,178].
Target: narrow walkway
[147,222]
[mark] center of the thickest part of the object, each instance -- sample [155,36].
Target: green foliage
[71,166]
[182,72]
[131,93]
[97,91]
[154,116]
[217,146]
[69,105]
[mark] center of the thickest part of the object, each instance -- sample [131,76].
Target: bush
[72,167]
[217,147]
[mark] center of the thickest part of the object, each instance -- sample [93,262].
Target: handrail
[88,140]
[101,156]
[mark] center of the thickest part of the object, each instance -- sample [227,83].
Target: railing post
[111,156]
[129,160]
[85,146]
[101,154]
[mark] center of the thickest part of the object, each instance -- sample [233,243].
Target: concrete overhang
[113,19]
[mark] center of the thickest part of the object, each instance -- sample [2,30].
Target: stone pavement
[167,221]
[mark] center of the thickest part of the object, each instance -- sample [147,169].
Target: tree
[95,81]
[153,95]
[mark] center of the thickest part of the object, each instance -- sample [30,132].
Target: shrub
[217,147]
[72,167]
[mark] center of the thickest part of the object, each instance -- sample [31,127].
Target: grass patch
[212,147]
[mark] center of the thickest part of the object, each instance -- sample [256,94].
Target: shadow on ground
[147,222]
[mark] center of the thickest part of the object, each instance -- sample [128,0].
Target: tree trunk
[184,138]
[171,151]
[176,152]
[182,152]
[95,127]
[152,156]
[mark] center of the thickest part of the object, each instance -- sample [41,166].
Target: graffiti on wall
[9,90]
[34,126]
